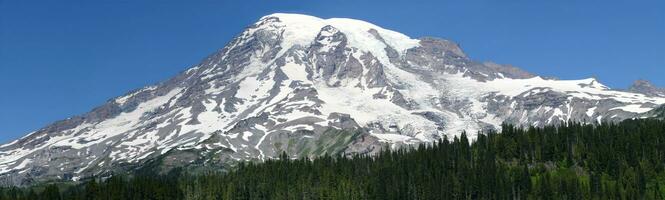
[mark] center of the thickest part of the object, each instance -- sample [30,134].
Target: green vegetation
[575,161]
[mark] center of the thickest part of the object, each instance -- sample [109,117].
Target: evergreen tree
[572,161]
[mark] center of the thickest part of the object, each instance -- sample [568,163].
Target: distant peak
[646,87]
[643,82]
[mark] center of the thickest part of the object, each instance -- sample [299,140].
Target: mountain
[307,86]
[645,87]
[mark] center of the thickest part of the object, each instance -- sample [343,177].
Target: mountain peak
[300,29]
[646,87]
[642,83]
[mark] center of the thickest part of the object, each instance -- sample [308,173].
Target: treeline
[573,161]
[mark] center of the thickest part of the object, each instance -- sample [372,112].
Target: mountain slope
[657,113]
[308,86]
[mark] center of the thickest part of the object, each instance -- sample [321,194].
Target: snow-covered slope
[308,86]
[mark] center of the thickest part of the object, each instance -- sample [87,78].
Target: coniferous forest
[573,161]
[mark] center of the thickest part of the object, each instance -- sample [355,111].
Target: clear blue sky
[62,59]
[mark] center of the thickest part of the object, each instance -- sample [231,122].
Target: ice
[299,127]
[392,138]
[295,71]
[597,91]
[591,111]
[246,135]
[584,89]
[302,29]
[9,144]
[258,144]
[252,88]
[635,108]
[121,100]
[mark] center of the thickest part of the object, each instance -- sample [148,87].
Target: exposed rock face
[308,86]
[645,87]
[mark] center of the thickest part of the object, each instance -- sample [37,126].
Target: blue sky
[62,59]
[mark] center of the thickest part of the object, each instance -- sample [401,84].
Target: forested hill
[574,161]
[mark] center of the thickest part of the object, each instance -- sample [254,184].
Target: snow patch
[634,108]
[392,138]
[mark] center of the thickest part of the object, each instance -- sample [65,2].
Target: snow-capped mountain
[308,86]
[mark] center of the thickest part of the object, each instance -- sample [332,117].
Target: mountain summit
[307,86]
[647,88]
